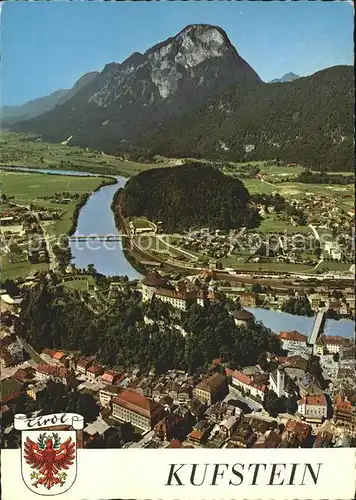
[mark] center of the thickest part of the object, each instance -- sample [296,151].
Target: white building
[277,381]
[107,394]
[313,408]
[247,383]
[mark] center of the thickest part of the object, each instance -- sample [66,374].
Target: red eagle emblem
[49,456]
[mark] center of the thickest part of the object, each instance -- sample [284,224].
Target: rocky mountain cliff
[147,90]
[43,104]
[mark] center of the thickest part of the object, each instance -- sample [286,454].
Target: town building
[313,408]
[333,344]
[94,371]
[200,432]
[60,374]
[107,394]
[295,434]
[292,340]
[110,377]
[242,317]
[83,364]
[343,409]
[140,411]
[228,426]
[179,297]
[34,390]
[277,381]
[270,439]
[248,383]
[211,389]
[11,352]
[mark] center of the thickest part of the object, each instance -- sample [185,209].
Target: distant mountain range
[288,77]
[41,105]
[194,95]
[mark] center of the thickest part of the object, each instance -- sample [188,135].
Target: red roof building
[94,371]
[313,407]
[343,409]
[142,412]
[110,376]
[293,336]
[247,383]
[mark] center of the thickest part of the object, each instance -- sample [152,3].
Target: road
[163,240]
[317,237]
[52,258]
[236,394]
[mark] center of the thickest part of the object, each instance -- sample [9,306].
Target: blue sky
[49,45]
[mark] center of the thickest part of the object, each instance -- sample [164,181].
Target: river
[279,321]
[96,217]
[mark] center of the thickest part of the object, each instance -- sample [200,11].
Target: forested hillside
[309,121]
[189,196]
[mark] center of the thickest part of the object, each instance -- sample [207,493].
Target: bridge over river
[95,237]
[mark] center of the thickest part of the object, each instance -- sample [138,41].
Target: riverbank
[39,189]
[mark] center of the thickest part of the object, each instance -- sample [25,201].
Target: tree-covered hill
[189,196]
[309,120]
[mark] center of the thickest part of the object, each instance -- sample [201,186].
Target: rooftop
[136,402]
[213,383]
[294,335]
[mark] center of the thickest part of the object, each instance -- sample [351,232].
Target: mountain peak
[288,77]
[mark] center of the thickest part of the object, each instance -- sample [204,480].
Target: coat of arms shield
[48,456]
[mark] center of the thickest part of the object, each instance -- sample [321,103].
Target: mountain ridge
[40,105]
[147,90]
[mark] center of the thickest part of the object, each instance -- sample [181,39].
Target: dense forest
[54,317]
[189,196]
[323,178]
[307,121]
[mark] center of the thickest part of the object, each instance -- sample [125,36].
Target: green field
[27,188]
[79,284]
[234,262]
[14,270]
[26,150]
[290,190]
[272,224]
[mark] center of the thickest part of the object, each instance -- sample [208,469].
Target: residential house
[247,383]
[196,408]
[23,375]
[313,408]
[94,371]
[200,432]
[243,437]
[142,412]
[270,439]
[323,439]
[83,364]
[242,317]
[11,352]
[228,426]
[34,390]
[110,377]
[295,434]
[343,409]
[44,372]
[211,389]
